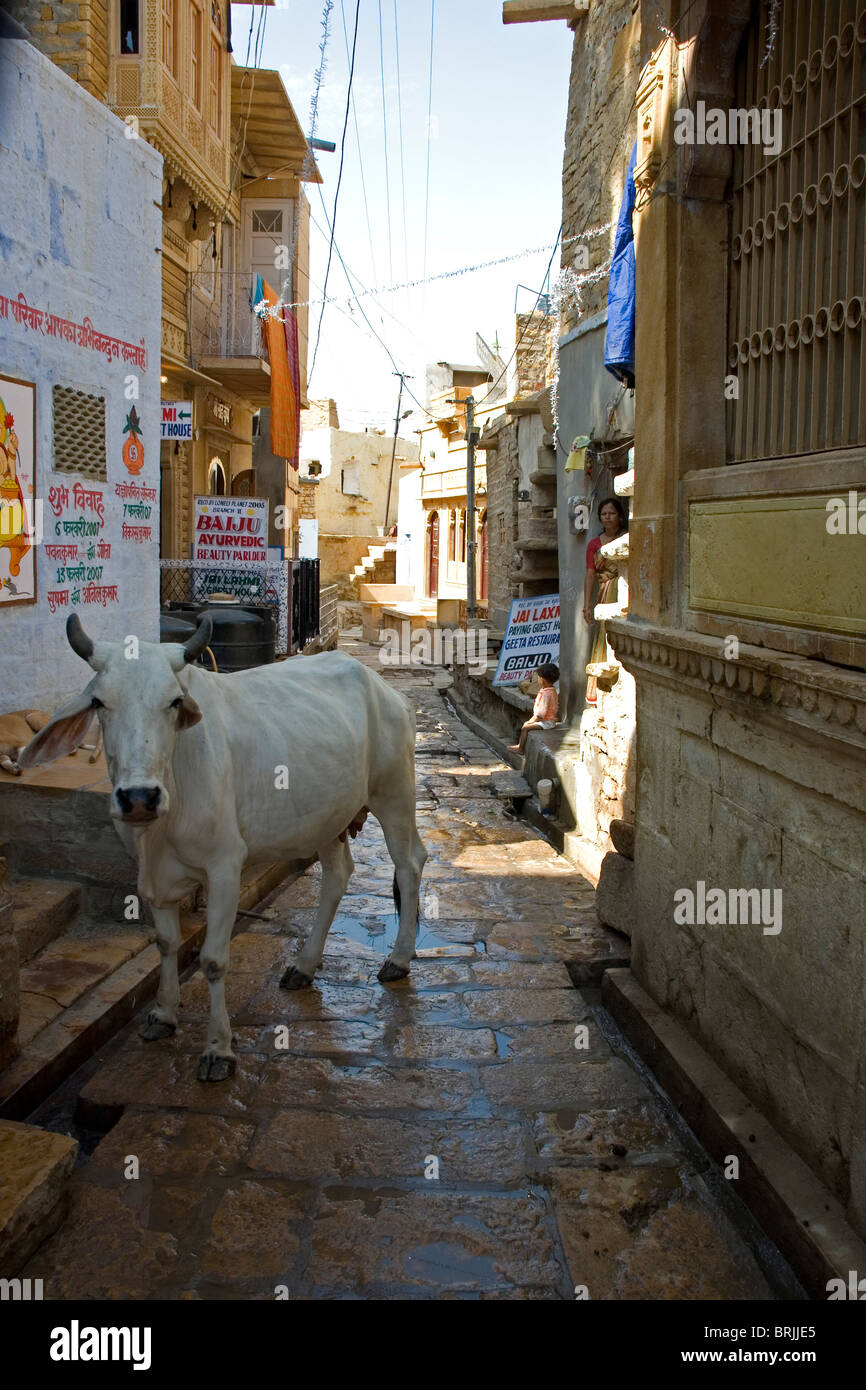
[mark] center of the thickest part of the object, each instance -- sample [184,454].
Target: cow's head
[140,695]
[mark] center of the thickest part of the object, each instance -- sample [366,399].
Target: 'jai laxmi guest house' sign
[79,380]
[531,640]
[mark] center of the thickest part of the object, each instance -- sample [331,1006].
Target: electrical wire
[529,319]
[385,137]
[358,143]
[400,127]
[337,192]
[429,131]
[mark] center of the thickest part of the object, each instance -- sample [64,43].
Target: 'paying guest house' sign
[531,640]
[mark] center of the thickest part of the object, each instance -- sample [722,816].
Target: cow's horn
[200,638]
[78,639]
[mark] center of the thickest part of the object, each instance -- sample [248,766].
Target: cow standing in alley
[215,772]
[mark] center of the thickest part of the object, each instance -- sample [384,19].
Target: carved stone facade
[744,636]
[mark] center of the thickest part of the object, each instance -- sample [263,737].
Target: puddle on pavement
[503,1043]
[381,934]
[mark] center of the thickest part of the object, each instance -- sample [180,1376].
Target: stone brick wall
[72,35]
[307,509]
[535,359]
[502,476]
[600,132]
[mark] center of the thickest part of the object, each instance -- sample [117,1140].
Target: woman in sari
[605,572]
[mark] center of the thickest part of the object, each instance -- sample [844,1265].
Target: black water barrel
[244,635]
[173,628]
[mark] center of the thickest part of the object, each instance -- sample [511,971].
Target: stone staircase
[379,565]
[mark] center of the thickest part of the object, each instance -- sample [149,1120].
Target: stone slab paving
[468,1133]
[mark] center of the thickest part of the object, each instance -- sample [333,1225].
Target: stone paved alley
[438,1138]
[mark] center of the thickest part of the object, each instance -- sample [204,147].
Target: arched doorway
[216,477]
[433,555]
[244,485]
[485,561]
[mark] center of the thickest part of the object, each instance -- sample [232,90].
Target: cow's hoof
[154,1029]
[390,972]
[215,1068]
[295,979]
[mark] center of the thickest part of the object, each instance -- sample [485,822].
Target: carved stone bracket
[827,700]
[653,112]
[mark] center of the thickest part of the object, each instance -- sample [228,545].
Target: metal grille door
[796,290]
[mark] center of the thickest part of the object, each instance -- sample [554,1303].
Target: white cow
[214,772]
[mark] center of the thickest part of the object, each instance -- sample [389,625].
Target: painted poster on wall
[18,509]
[532,638]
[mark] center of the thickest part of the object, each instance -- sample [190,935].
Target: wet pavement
[476,1131]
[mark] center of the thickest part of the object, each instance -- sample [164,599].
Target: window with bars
[797,263]
[215,90]
[195,59]
[170,37]
[79,433]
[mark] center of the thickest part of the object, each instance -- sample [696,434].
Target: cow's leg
[223,890]
[397,819]
[162,1019]
[337,866]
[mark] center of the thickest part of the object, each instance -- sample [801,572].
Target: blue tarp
[619,343]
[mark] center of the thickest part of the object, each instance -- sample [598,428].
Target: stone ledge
[794,1208]
[37,1165]
[828,700]
[73,1037]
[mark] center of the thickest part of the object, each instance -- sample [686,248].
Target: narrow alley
[477,1131]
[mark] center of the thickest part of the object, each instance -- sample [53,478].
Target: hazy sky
[498,121]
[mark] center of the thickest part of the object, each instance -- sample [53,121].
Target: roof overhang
[273,139]
[531,11]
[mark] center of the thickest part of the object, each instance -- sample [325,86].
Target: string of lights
[445,274]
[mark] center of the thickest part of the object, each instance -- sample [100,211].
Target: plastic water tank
[244,634]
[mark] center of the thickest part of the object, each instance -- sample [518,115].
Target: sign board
[308,539]
[531,639]
[175,420]
[231,532]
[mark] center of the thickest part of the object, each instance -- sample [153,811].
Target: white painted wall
[410,531]
[81,227]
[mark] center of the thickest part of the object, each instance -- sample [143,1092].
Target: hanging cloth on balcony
[291,324]
[285,418]
[619,343]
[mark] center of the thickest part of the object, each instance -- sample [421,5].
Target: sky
[499,101]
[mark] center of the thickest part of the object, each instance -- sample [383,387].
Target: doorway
[433,555]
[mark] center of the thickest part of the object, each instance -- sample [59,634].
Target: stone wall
[502,476]
[307,503]
[73,35]
[535,361]
[81,225]
[600,132]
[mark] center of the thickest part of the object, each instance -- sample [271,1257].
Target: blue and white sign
[175,420]
[531,640]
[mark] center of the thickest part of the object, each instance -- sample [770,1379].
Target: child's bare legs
[519,746]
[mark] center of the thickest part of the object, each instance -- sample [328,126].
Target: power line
[525,326]
[385,134]
[360,156]
[429,128]
[337,192]
[400,125]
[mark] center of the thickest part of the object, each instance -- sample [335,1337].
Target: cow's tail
[395,889]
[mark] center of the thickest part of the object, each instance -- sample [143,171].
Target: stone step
[36,1165]
[43,908]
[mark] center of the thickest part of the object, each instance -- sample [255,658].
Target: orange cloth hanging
[284,405]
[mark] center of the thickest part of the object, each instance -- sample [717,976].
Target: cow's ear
[63,733]
[188,713]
